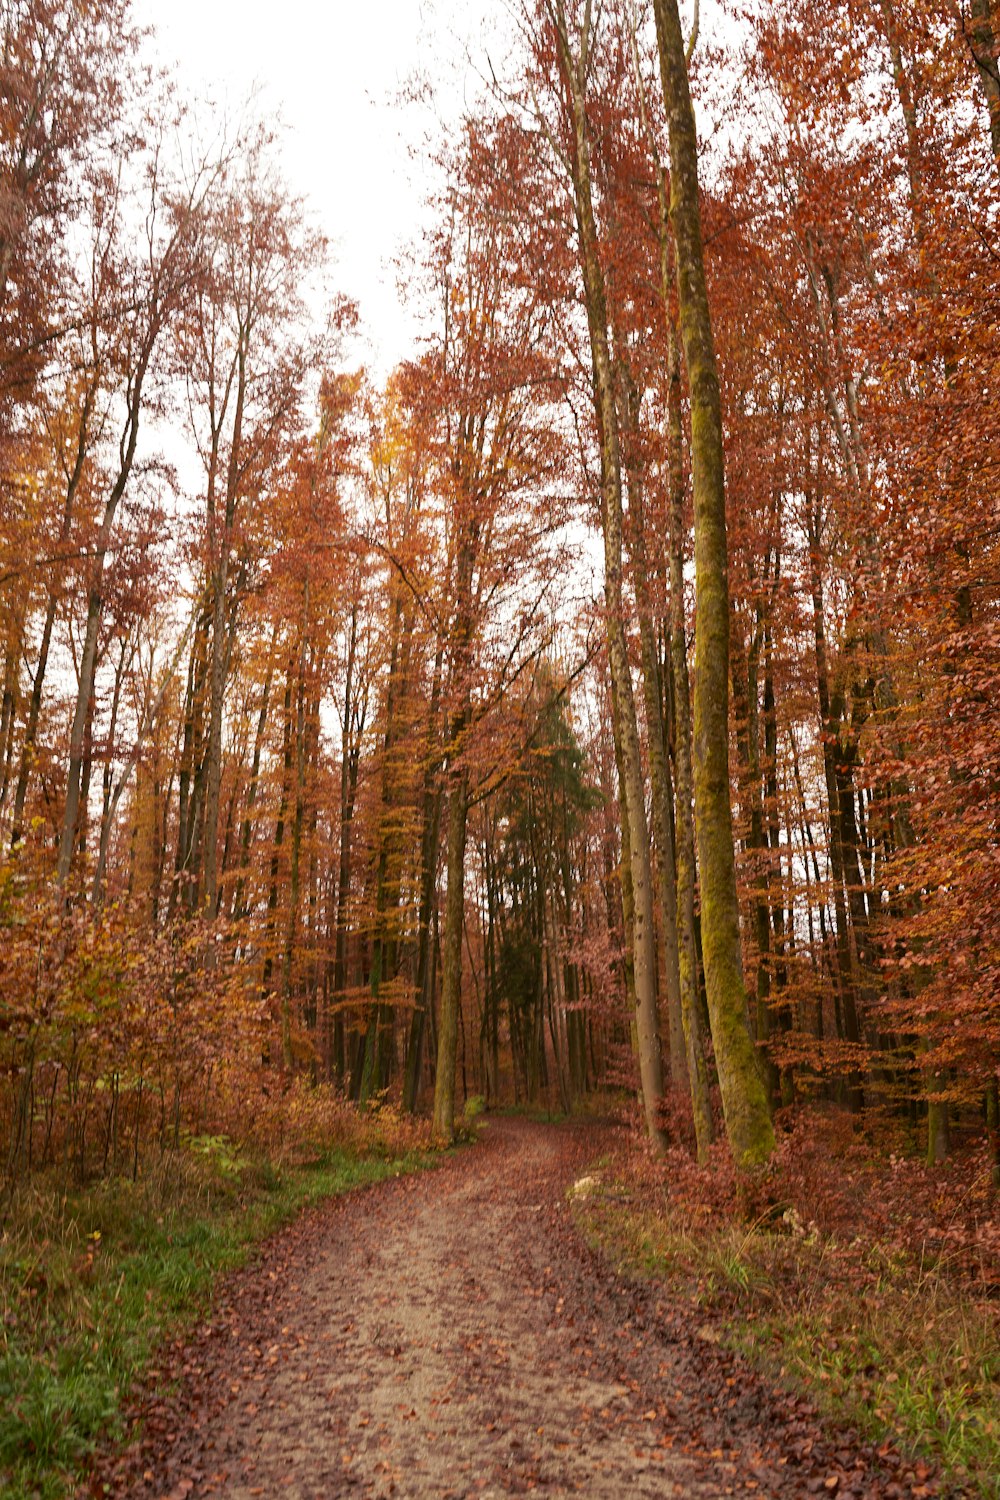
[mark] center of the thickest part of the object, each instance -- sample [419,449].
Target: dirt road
[448,1334]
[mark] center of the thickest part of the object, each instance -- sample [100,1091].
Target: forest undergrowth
[867,1280]
[96,1278]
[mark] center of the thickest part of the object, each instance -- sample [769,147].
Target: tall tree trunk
[246,828]
[279,838]
[312,981]
[31,727]
[428,881]
[659,768]
[295,849]
[78,756]
[744,1099]
[574,67]
[349,761]
[74,477]
[431,820]
[685,839]
[783,934]
[221,542]
[95,607]
[86,771]
[467,545]
[745,675]
[189,776]
[829,733]
[443,1123]
[208,893]
[379,1040]
[108,804]
[8,715]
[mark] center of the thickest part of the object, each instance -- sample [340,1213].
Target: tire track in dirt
[448,1335]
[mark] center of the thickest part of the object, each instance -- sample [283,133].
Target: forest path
[448,1334]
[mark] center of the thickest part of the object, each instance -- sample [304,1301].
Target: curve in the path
[448,1335]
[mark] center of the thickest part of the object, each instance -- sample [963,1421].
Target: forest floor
[453,1334]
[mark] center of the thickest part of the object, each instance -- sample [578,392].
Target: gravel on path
[448,1334]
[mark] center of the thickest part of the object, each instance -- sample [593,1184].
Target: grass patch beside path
[887,1346]
[92,1281]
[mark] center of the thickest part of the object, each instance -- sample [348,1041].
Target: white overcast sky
[333,72]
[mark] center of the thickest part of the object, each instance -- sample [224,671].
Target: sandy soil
[448,1334]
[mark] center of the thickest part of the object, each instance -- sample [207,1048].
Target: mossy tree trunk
[744,1099]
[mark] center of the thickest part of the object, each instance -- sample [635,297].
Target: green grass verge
[91,1283]
[881,1344]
